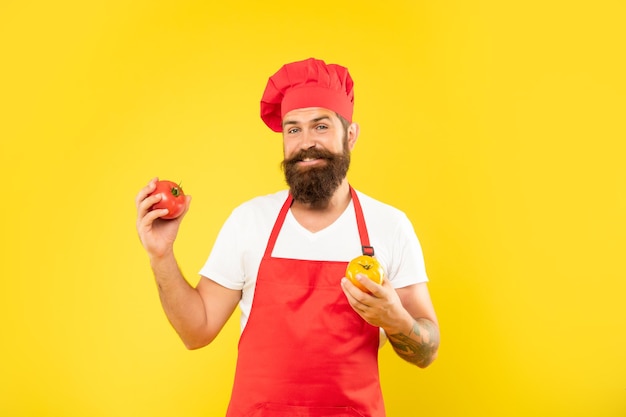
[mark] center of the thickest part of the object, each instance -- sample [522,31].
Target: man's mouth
[310,161]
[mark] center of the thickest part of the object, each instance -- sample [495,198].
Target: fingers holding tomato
[361,285]
[141,200]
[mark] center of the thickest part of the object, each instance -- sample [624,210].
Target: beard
[316,185]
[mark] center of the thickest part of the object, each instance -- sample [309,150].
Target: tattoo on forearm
[420,346]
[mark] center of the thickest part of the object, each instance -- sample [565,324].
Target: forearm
[417,345]
[181,302]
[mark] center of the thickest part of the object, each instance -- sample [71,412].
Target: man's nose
[307,140]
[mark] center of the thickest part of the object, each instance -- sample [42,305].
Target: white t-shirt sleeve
[231,273]
[407,261]
[240,244]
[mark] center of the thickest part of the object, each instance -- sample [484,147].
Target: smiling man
[310,338]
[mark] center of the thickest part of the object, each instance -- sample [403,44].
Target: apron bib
[304,352]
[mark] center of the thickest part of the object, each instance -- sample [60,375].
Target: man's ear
[353,134]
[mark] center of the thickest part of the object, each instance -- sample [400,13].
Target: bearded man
[310,338]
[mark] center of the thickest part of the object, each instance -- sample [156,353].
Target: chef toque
[308,83]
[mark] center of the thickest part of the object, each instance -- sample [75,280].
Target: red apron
[304,352]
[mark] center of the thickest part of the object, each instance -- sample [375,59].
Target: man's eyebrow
[316,120]
[319,119]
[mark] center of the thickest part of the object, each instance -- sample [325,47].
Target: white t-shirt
[236,255]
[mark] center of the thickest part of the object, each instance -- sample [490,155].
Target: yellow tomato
[366,265]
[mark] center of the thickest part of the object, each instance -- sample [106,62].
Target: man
[310,338]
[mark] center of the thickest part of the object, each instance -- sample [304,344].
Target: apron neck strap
[360,222]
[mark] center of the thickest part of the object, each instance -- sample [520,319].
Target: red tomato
[368,266]
[172,199]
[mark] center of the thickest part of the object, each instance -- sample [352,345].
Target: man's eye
[321,127]
[292,131]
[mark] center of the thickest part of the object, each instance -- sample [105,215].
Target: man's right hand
[157,235]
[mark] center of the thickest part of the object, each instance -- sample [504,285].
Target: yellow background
[497,126]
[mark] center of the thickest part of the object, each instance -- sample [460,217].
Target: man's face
[317,154]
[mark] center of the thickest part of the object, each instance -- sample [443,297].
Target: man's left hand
[381,308]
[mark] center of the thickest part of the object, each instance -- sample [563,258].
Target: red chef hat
[308,83]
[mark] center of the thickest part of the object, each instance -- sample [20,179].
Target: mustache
[312,153]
